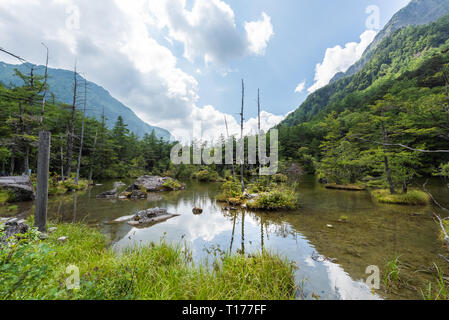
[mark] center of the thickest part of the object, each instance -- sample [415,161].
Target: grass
[33,269]
[441,292]
[392,274]
[4,196]
[412,197]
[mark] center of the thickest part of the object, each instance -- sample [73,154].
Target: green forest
[386,124]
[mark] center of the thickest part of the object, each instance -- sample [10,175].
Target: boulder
[19,187]
[111,194]
[14,227]
[197,211]
[147,217]
[151,184]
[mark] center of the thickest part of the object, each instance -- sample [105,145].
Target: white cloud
[338,59]
[259,34]
[300,88]
[209,30]
[115,47]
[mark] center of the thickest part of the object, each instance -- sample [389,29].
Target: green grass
[412,197]
[33,269]
[392,274]
[4,196]
[440,291]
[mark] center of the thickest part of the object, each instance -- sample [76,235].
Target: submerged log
[345,187]
[20,188]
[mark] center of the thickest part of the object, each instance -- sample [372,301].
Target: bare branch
[400,145]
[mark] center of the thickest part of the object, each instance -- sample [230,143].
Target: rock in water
[151,184]
[146,217]
[19,187]
[13,228]
[111,194]
[197,210]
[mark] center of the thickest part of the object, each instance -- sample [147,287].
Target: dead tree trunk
[227,133]
[78,168]
[92,159]
[386,162]
[71,133]
[44,97]
[242,160]
[62,157]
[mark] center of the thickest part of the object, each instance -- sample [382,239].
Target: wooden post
[43,166]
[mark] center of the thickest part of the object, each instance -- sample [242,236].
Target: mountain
[61,86]
[416,13]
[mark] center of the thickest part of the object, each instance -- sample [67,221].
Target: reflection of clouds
[345,287]
[195,228]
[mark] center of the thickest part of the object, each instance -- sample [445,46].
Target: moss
[412,197]
[231,190]
[155,272]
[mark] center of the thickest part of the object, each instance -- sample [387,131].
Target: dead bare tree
[78,167]
[44,96]
[258,121]
[242,160]
[227,133]
[92,159]
[62,157]
[71,132]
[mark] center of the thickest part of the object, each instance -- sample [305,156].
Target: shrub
[207,176]
[172,185]
[71,185]
[277,199]
[231,190]
[412,197]
[280,178]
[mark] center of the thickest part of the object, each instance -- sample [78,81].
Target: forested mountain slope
[98,99]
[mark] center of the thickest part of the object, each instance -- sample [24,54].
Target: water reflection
[372,234]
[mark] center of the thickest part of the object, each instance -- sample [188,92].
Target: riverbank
[36,269]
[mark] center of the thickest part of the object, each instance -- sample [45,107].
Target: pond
[332,238]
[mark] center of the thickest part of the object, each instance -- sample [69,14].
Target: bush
[412,197]
[172,185]
[231,190]
[207,176]
[280,178]
[277,199]
[71,185]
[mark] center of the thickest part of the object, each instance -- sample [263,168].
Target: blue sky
[303,31]
[179,63]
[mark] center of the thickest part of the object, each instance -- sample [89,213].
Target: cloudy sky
[179,63]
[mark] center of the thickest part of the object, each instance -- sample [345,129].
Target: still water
[331,255]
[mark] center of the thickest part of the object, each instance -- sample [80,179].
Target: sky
[178,64]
